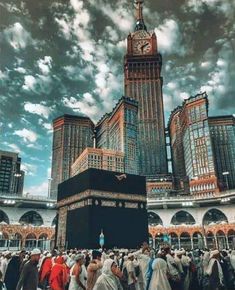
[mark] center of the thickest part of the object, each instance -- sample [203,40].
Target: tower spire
[139,16]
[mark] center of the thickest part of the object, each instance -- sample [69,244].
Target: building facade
[177,149]
[27,222]
[11,175]
[193,136]
[143,82]
[71,135]
[222,131]
[192,222]
[118,131]
[100,159]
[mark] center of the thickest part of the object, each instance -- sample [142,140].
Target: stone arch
[221,239]
[43,241]
[154,219]
[210,238]
[30,241]
[31,218]
[3,239]
[185,240]
[182,217]
[231,238]
[4,217]
[198,241]
[174,239]
[214,215]
[54,221]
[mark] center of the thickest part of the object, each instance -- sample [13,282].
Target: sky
[61,57]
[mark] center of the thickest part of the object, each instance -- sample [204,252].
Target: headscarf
[211,264]
[107,281]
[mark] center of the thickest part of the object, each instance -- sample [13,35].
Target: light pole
[49,187]
[226,173]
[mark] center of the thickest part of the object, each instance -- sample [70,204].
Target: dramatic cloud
[17,36]
[37,109]
[67,57]
[27,135]
[170,39]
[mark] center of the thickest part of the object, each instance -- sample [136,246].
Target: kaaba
[96,201]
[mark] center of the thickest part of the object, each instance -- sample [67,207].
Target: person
[58,278]
[232,259]
[29,275]
[228,272]
[94,269]
[132,280]
[214,271]
[45,271]
[174,274]
[159,280]
[185,261]
[78,274]
[108,279]
[12,273]
[2,286]
[143,256]
[4,263]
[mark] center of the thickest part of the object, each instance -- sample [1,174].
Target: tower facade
[118,131]
[11,175]
[191,144]
[71,135]
[143,82]
[222,130]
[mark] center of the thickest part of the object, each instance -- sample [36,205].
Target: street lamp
[226,173]
[49,187]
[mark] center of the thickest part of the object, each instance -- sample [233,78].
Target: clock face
[142,46]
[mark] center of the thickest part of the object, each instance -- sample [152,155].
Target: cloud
[170,38]
[12,146]
[83,106]
[45,65]
[29,169]
[27,135]
[17,36]
[29,83]
[38,190]
[37,109]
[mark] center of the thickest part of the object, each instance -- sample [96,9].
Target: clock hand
[143,46]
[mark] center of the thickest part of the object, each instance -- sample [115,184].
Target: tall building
[71,135]
[11,175]
[118,131]
[143,82]
[105,159]
[222,130]
[177,149]
[193,136]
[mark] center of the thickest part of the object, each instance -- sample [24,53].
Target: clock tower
[143,82]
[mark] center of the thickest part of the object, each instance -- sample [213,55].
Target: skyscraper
[118,131]
[71,135]
[143,82]
[11,175]
[193,135]
[222,130]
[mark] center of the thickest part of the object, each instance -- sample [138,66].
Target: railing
[154,197]
[29,244]
[23,197]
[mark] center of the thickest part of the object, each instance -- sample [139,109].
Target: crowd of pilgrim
[143,269]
